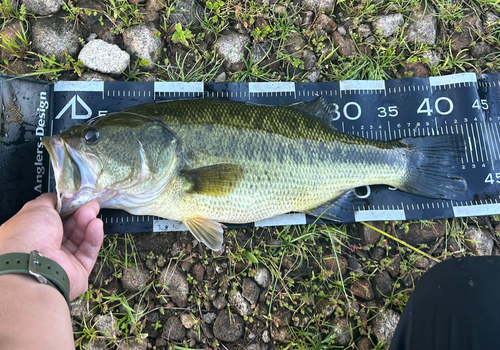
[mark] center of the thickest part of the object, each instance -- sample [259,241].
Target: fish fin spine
[207,231]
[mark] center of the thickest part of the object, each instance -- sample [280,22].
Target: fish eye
[90,135]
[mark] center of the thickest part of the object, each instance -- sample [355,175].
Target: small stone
[420,262]
[392,266]
[239,303]
[187,320]
[250,291]
[43,7]
[198,272]
[325,307]
[382,285]
[479,240]
[294,44]
[363,289]
[132,344]
[369,236]
[228,327]
[313,75]
[103,57]
[259,51]
[220,302]
[186,12]
[106,325]
[335,264]
[263,277]
[364,343]
[387,25]
[462,39]
[318,6]
[80,309]
[253,347]
[364,30]
[377,253]
[176,285]
[266,338]
[186,265]
[134,279]
[95,76]
[341,331]
[53,36]
[326,23]
[209,317]
[195,335]
[415,233]
[281,334]
[211,294]
[481,49]
[416,70]
[491,17]
[309,59]
[155,5]
[96,344]
[231,46]
[385,325]
[432,57]
[282,318]
[142,42]
[422,26]
[207,331]
[173,329]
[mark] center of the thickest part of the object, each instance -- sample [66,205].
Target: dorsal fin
[322,108]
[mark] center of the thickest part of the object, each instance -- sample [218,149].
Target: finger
[48,200]
[89,249]
[76,225]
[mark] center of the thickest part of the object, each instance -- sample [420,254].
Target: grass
[303,261]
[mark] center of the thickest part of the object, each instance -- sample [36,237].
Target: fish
[206,162]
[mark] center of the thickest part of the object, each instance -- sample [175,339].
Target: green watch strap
[45,270]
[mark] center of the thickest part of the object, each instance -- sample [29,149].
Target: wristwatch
[45,270]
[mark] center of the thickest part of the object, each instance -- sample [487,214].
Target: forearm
[33,315]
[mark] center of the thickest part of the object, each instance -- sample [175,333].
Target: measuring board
[463,104]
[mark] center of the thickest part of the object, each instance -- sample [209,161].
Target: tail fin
[434,166]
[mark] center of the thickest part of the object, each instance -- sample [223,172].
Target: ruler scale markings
[469,146]
[491,133]
[488,140]
[480,146]
[474,141]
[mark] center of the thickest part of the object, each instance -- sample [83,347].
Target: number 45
[480,104]
[489,179]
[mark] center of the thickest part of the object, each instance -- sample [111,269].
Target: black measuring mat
[462,104]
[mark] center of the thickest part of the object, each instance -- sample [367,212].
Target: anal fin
[330,211]
[206,231]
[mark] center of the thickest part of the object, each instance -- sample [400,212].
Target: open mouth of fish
[73,177]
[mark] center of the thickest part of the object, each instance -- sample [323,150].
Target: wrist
[39,268]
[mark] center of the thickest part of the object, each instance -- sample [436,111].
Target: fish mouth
[71,174]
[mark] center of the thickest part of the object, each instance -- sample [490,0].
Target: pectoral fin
[214,180]
[206,231]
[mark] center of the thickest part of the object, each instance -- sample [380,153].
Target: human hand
[74,244]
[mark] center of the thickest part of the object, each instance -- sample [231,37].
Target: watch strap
[45,270]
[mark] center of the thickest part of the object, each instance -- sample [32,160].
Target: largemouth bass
[206,162]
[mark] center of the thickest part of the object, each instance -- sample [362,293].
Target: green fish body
[205,162]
